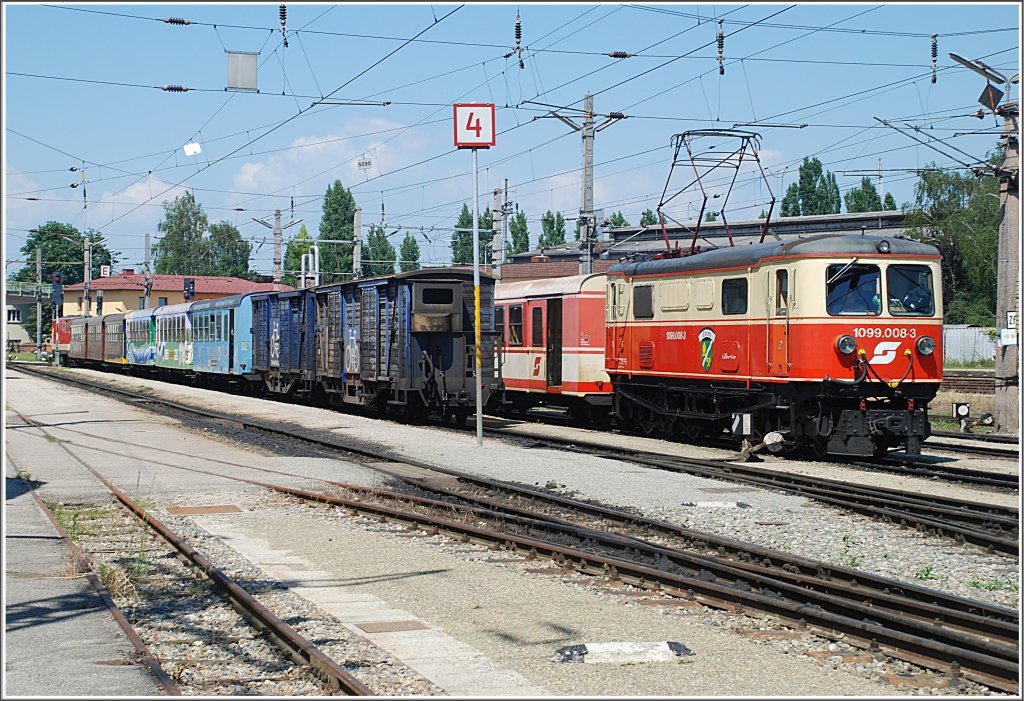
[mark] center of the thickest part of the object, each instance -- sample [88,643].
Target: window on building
[515,325]
[734,296]
[161,302]
[14,315]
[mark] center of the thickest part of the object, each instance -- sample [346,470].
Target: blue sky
[834,67]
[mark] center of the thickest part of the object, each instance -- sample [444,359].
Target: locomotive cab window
[734,296]
[515,325]
[853,289]
[643,301]
[909,290]
[781,292]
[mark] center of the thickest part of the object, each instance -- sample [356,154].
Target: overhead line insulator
[620,54]
[176,20]
[935,54]
[721,49]
[616,115]
[174,88]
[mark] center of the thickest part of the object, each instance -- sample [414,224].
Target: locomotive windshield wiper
[841,271]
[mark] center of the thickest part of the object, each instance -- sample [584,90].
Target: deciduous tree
[336,224]
[182,248]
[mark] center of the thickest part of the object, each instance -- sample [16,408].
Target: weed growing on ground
[925,574]
[851,557]
[996,585]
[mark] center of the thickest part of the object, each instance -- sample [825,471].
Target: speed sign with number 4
[474,125]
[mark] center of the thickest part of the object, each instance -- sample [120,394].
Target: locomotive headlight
[883,246]
[925,345]
[846,345]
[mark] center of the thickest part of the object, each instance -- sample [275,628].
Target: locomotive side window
[643,301]
[537,328]
[734,296]
[515,325]
[781,292]
[909,289]
[853,290]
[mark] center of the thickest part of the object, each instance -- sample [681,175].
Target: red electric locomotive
[828,342]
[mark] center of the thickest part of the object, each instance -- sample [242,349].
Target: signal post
[474,129]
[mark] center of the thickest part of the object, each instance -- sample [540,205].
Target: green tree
[61,246]
[297,246]
[958,213]
[462,241]
[648,218]
[815,192]
[378,255]
[519,232]
[791,201]
[336,224]
[229,252]
[409,254]
[710,216]
[890,204]
[182,248]
[618,220]
[762,215]
[553,229]
[864,198]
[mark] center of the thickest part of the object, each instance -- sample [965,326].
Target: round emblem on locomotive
[707,344]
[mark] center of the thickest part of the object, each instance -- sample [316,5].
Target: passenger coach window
[643,301]
[853,290]
[909,289]
[537,330]
[499,322]
[515,325]
[734,296]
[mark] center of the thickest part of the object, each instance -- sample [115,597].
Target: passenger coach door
[554,343]
[537,371]
[778,324]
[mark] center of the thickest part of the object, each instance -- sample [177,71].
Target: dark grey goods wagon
[405,343]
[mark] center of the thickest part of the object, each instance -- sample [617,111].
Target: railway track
[989,526]
[125,538]
[887,617]
[914,468]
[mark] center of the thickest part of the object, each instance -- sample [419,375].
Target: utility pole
[278,229]
[39,303]
[497,225]
[357,238]
[1007,376]
[588,227]
[149,280]
[87,255]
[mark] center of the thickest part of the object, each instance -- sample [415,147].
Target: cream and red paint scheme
[553,343]
[692,341]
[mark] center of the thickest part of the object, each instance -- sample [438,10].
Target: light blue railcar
[174,337]
[222,335]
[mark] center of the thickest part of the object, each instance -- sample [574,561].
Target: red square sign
[474,125]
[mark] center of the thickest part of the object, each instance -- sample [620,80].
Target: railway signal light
[189,288]
[57,293]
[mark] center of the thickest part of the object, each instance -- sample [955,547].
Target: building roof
[205,284]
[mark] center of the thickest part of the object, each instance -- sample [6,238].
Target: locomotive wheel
[819,447]
[693,430]
[649,423]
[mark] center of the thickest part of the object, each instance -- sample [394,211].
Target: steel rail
[293,644]
[979,664]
